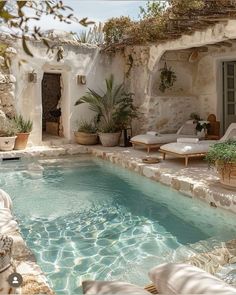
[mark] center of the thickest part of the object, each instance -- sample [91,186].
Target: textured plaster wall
[197,88]
[78,60]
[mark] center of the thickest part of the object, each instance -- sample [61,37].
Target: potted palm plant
[223,156]
[114,109]
[24,128]
[8,131]
[86,134]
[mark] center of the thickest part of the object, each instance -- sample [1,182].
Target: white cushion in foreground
[173,278]
[111,287]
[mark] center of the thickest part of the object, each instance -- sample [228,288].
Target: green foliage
[23,126]
[26,11]
[167,77]
[87,127]
[115,29]
[93,36]
[114,107]
[158,19]
[8,127]
[152,9]
[223,153]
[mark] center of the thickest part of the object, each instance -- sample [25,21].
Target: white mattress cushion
[152,139]
[188,140]
[188,148]
[111,287]
[173,278]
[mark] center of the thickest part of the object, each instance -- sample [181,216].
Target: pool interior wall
[85,218]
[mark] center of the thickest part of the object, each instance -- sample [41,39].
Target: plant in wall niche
[167,77]
[223,156]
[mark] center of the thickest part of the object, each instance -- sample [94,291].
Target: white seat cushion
[152,139]
[173,278]
[188,148]
[111,287]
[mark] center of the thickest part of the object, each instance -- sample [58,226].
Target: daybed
[187,148]
[154,139]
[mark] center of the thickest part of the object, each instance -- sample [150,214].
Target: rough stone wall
[7,95]
[197,89]
[7,83]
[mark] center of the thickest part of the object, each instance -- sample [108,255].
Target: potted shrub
[114,109]
[86,134]
[223,156]
[8,132]
[24,128]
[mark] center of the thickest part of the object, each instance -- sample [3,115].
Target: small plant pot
[21,141]
[110,139]
[86,138]
[227,173]
[7,143]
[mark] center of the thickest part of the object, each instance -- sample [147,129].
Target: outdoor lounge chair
[154,139]
[186,147]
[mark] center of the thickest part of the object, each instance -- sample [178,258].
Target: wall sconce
[32,77]
[81,79]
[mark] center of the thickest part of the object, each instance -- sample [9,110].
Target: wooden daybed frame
[185,156]
[147,145]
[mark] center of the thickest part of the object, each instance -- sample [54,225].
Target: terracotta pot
[110,139]
[227,173]
[86,138]
[21,141]
[7,143]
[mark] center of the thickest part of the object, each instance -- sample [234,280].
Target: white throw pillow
[111,287]
[173,278]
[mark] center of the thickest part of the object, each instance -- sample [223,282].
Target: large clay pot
[21,141]
[7,143]
[86,138]
[110,139]
[227,173]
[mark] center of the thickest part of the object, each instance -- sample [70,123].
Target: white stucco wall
[198,87]
[78,60]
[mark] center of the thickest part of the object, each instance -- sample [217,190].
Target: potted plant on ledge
[86,134]
[8,131]
[223,156]
[114,109]
[24,128]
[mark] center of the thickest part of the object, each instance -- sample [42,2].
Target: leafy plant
[116,28]
[223,153]
[93,36]
[23,126]
[167,77]
[17,15]
[114,107]
[8,127]
[152,9]
[87,127]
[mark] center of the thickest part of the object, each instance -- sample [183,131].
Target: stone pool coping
[195,181]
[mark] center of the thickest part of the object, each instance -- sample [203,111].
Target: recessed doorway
[51,105]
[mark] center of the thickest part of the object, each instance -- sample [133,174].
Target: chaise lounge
[188,148]
[154,139]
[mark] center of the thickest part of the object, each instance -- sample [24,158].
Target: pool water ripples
[87,219]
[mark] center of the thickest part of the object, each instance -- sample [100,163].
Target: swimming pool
[85,218]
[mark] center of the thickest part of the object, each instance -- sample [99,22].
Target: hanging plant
[168,78]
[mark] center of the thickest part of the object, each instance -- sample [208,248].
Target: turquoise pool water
[85,218]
